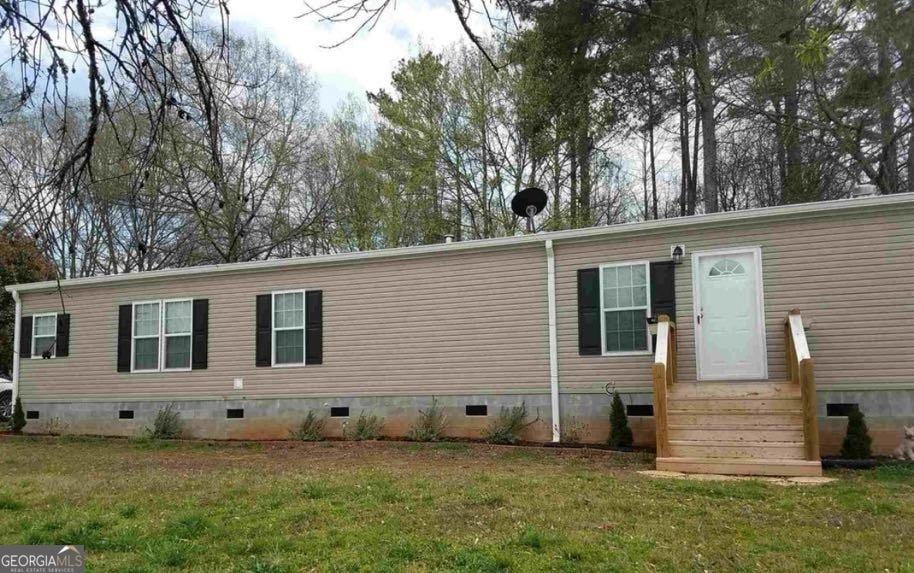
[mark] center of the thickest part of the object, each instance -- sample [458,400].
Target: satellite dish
[529,203]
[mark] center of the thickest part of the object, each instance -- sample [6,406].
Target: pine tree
[620,435]
[857,442]
[18,416]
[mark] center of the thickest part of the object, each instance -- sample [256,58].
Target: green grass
[341,506]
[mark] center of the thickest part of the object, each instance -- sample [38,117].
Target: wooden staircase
[745,428]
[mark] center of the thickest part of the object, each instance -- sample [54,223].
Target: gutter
[16,334]
[553,343]
[709,220]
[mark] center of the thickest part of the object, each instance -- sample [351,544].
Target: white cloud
[365,62]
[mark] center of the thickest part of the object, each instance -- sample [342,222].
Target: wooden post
[790,358]
[664,374]
[800,369]
[659,371]
[810,416]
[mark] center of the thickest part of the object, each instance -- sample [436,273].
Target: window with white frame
[162,335]
[178,329]
[625,306]
[44,335]
[289,328]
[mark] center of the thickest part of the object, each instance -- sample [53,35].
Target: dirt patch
[193,456]
[720,477]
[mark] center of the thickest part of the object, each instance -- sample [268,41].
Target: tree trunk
[458,225]
[781,151]
[888,165]
[557,183]
[486,213]
[794,191]
[650,120]
[708,121]
[644,168]
[911,156]
[573,184]
[685,167]
[585,149]
[693,188]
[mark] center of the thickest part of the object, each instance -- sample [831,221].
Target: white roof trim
[404,252]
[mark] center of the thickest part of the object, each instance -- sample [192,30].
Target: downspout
[17,326]
[553,343]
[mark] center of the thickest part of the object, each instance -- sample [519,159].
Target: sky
[365,62]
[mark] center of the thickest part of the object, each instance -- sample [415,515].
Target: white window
[162,335]
[44,335]
[625,306]
[288,328]
[178,325]
[726,267]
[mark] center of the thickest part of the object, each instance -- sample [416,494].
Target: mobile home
[688,318]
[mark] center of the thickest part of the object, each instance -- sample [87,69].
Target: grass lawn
[146,506]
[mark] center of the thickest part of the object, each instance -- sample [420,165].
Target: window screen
[289,328]
[625,309]
[44,333]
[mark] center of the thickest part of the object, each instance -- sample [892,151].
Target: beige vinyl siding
[475,321]
[457,323]
[851,274]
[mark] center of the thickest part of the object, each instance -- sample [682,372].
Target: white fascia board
[709,220]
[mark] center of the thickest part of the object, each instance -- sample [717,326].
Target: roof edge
[477,244]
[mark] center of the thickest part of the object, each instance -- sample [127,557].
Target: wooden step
[738,418]
[731,449]
[712,434]
[751,390]
[741,466]
[736,404]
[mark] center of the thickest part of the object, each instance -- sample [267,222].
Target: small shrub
[255,564]
[532,538]
[311,429]
[167,553]
[89,533]
[367,427]
[573,431]
[55,427]
[313,490]
[6,406]
[8,503]
[128,511]
[18,417]
[507,426]
[188,526]
[857,443]
[429,426]
[620,435]
[166,425]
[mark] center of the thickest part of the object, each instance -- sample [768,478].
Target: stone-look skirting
[585,417]
[273,419]
[886,411]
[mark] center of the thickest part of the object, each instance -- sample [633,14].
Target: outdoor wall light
[676,253]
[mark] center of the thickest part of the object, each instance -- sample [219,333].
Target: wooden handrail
[664,371]
[800,371]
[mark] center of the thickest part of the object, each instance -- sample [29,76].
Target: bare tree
[122,53]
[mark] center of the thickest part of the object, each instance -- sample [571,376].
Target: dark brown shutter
[589,312]
[314,327]
[124,324]
[663,289]
[264,352]
[25,337]
[63,335]
[200,334]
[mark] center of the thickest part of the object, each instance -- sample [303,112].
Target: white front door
[729,317]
